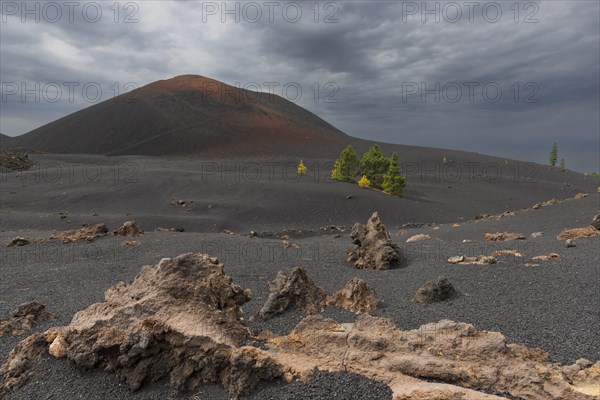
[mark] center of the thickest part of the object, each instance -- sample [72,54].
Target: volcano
[187,115]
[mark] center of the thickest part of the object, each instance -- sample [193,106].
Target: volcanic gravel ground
[554,306]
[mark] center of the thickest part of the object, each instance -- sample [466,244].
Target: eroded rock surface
[87,233]
[357,296]
[129,228]
[180,319]
[445,357]
[373,248]
[24,317]
[294,291]
[435,291]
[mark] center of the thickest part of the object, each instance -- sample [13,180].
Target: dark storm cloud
[374,53]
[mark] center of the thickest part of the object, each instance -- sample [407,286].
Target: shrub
[346,166]
[393,181]
[364,182]
[301,168]
[374,165]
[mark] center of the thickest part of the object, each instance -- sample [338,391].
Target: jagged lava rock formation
[296,290]
[373,248]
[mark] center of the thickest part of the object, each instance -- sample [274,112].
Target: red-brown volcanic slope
[187,114]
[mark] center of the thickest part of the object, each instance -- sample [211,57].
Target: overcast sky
[492,77]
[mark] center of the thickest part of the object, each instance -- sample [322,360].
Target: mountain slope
[187,115]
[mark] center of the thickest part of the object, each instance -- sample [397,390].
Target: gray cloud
[372,54]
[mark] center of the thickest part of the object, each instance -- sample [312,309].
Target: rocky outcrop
[294,291]
[180,319]
[24,317]
[435,291]
[129,228]
[373,248]
[87,233]
[20,363]
[444,357]
[357,296]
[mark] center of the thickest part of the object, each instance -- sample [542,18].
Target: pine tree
[364,182]
[393,181]
[554,154]
[374,165]
[301,168]
[346,166]
[562,164]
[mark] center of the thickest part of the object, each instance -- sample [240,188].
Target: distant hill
[188,115]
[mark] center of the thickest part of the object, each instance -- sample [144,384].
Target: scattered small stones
[417,238]
[373,248]
[570,243]
[551,256]
[129,228]
[357,296]
[503,236]
[578,233]
[287,243]
[183,203]
[537,234]
[58,348]
[131,243]
[296,290]
[228,232]
[456,259]
[596,221]
[160,229]
[24,317]
[18,241]
[87,233]
[15,161]
[507,252]
[435,291]
[348,197]
[480,260]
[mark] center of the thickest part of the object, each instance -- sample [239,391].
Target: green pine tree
[346,166]
[554,154]
[374,165]
[562,164]
[393,181]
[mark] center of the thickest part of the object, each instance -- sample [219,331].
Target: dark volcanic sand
[554,306]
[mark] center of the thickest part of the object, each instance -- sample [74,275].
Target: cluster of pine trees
[376,170]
